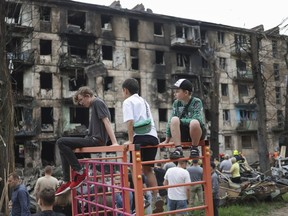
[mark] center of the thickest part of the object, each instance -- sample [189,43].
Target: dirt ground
[280,212]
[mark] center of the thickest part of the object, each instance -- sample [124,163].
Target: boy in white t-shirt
[135,108]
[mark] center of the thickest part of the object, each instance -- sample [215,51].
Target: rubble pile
[255,186]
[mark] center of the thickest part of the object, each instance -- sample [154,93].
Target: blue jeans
[177,204]
[148,196]
[119,201]
[215,206]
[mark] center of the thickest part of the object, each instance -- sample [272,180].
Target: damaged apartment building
[54,47]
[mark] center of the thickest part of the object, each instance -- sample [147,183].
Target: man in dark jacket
[20,199]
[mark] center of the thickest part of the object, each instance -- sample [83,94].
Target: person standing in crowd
[178,197]
[119,195]
[20,199]
[147,196]
[168,165]
[46,201]
[160,173]
[234,171]
[196,174]
[215,188]
[186,123]
[136,108]
[226,165]
[99,133]
[46,181]
[63,204]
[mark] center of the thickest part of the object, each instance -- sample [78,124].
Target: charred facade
[55,47]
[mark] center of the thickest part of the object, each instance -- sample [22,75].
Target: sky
[240,13]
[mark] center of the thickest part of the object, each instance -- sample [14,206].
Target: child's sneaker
[78,180]
[63,188]
[194,152]
[177,153]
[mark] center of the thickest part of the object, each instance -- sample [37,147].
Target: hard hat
[235,152]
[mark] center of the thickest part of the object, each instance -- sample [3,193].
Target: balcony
[191,70]
[18,97]
[244,76]
[21,58]
[186,37]
[16,29]
[247,125]
[245,103]
[241,49]
[74,61]
[76,31]
[183,42]
[26,125]
[25,132]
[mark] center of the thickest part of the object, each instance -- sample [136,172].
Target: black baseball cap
[183,84]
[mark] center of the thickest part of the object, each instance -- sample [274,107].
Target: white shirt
[177,175]
[134,109]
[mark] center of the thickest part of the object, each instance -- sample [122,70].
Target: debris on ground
[255,186]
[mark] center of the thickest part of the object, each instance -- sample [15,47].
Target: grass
[264,208]
[253,208]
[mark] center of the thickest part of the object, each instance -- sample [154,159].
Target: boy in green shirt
[186,123]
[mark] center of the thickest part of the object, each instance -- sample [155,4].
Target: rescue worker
[238,156]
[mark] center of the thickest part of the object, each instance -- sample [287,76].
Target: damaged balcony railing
[26,56]
[75,61]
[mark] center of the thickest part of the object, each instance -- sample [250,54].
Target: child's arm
[168,130]
[130,124]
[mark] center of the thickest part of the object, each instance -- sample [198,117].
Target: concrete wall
[120,69]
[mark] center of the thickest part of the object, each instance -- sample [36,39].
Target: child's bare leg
[151,179]
[176,135]
[175,130]
[195,132]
